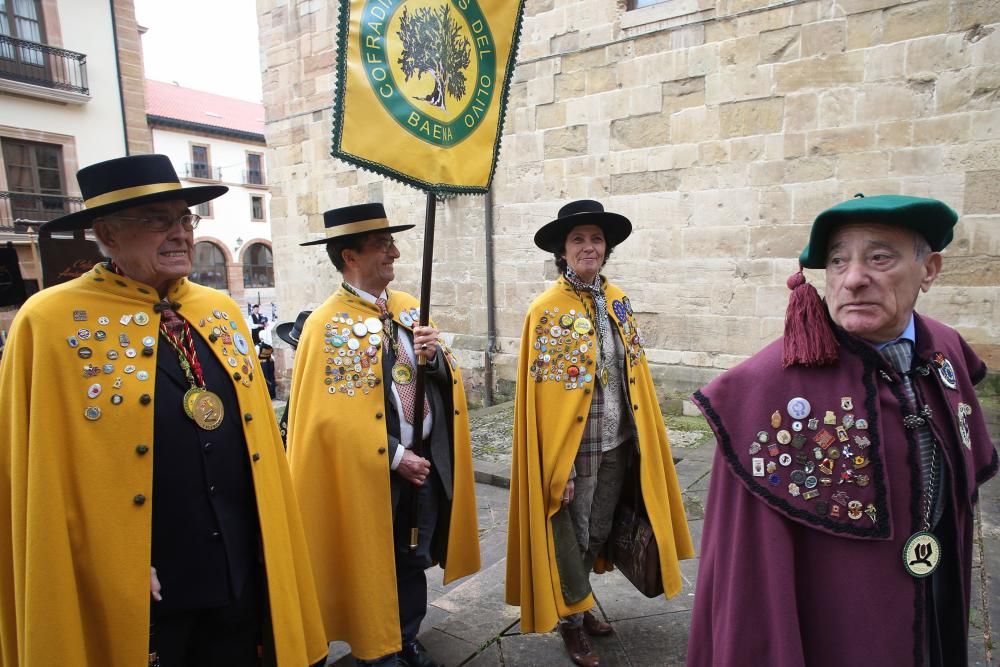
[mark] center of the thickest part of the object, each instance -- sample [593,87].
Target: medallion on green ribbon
[432,65]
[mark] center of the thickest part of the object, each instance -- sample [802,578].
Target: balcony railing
[43,65]
[203,170]
[253,177]
[17,209]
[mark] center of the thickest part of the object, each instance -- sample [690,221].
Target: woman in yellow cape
[586,421]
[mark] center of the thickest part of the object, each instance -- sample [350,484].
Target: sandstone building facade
[719,127]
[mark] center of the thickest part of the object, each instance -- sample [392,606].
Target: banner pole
[419,386]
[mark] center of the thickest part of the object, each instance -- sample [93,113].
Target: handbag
[633,544]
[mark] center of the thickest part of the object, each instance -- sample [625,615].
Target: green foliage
[433,43]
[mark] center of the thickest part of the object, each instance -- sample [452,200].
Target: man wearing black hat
[351,428]
[136,440]
[838,527]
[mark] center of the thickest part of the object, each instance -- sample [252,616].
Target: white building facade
[211,139]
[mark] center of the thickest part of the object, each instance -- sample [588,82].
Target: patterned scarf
[596,290]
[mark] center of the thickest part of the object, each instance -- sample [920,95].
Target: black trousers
[236,635]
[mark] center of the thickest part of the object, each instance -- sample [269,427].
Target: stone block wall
[719,127]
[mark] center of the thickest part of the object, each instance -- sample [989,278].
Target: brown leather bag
[633,544]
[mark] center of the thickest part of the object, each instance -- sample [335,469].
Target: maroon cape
[801,556]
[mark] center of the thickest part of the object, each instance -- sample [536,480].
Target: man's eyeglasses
[161,223]
[384,245]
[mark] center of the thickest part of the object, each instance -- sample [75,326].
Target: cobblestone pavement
[468,623]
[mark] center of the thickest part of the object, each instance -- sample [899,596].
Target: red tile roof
[194,106]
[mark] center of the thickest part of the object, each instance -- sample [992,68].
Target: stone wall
[719,127]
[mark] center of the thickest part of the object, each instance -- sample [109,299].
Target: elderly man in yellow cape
[582,365]
[351,425]
[146,510]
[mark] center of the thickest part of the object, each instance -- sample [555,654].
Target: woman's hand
[567,497]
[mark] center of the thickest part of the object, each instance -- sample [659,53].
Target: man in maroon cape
[838,527]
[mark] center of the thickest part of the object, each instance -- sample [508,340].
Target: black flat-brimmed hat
[290,332]
[932,219]
[552,237]
[125,182]
[348,221]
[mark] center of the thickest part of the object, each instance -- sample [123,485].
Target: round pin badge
[94,390]
[783,436]
[83,334]
[354,343]
[374,340]
[130,353]
[129,369]
[360,330]
[142,376]
[241,343]
[619,309]
[103,320]
[406,318]
[72,341]
[85,353]
[141,318]
[374,325]
[93,413]
[108,369]
[566,321]
[100,334]
[581,325]
[799,408]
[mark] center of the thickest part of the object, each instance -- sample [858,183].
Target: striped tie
[900,355]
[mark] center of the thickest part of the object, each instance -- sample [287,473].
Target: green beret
[931,218]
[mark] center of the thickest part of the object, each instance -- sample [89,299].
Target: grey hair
[921,248]
[106,222]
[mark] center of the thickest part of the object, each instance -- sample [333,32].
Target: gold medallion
[604,376]
[208,410]
[190,396]
[402,374]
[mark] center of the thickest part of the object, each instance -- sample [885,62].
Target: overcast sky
[208,45]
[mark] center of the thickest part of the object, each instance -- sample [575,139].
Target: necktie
[171,320]
[900,355]
[407,392]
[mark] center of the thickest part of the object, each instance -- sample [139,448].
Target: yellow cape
[549,419]
[74,543]
[337,449]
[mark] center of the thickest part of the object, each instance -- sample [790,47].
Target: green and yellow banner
[422,88]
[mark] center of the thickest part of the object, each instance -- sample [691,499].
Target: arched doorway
[258,266]
[209,266]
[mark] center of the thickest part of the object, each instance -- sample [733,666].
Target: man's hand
[567,496]
[425,341]
[154,585]
[413,468]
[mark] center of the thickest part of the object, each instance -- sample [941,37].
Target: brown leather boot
[578,646]
[594,626]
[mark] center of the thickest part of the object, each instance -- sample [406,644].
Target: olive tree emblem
[433,43]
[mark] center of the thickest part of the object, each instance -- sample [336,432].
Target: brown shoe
[594,626]
[578,646]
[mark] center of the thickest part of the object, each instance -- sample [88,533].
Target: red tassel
[809,340]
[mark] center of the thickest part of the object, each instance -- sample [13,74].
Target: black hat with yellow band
[125,182]
[347,221]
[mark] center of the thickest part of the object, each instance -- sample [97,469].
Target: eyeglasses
[161,223]
[384,245]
